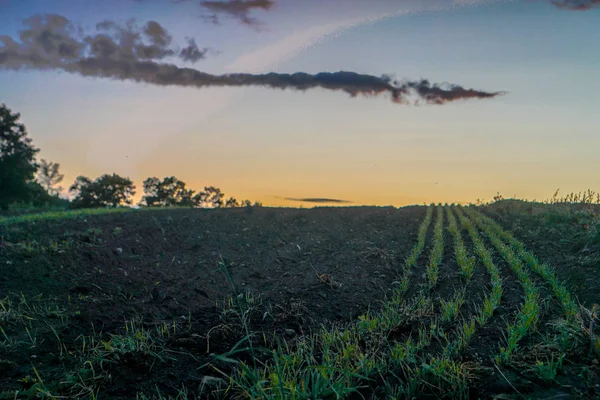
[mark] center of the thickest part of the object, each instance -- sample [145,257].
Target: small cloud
[576,5]
[318,200]
[238,9]
[192,52]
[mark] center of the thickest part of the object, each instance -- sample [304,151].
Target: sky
[440,100]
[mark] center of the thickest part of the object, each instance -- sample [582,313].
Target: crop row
[437,251]
[339,361]
[547,273]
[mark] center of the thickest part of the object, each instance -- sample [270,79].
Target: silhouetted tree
[106,191]
[17,159]
[246,203]
[231,203]
[211,197]
[168,192]
[38,197]
[48,176]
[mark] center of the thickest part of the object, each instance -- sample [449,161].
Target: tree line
[25,180]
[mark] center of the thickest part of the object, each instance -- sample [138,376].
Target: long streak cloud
[131,53]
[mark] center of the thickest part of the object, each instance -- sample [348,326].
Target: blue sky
[267,144]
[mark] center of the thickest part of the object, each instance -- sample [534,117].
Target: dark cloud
[53,42]
[577,5]
[129,53]
[318,200]
[192,52]
[238,9]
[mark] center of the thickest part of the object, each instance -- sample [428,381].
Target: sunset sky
[269,144]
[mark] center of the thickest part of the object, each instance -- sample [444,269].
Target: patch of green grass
[69,214]
[53,215]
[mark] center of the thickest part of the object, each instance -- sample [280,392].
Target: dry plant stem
[506,379]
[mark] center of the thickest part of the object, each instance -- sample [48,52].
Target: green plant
[451,308]
[548,370]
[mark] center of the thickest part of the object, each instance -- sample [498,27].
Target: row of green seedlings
[529,314]
[465,262]
[336,362]
[437,251]
[411,261]
[451,308]
[548,274]
[413,258]
[545,370]
[437,371]
[492,300]
[442,371]
[569,334]
[483,313]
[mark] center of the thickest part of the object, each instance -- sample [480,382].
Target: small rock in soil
[119,250]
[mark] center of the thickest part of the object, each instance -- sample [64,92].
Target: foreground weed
[243,304]
[548,370]
[241,308]
[136,340]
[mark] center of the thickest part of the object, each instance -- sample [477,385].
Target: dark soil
[176,271]
[163,265]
